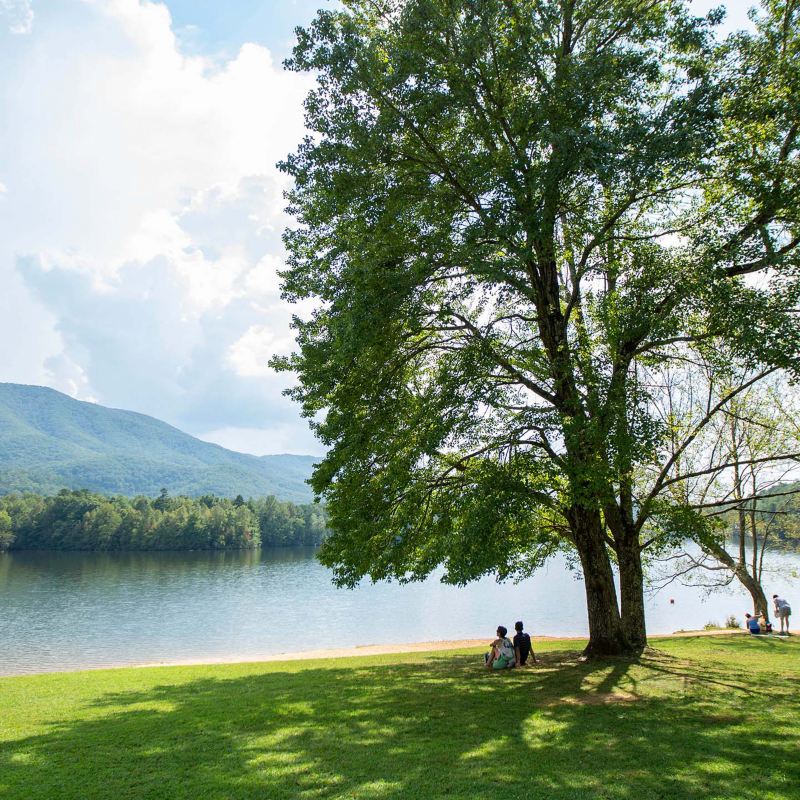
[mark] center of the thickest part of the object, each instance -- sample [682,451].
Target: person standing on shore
[782,611]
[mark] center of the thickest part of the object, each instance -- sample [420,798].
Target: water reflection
[73,610]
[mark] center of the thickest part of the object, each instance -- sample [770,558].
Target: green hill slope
[48,441]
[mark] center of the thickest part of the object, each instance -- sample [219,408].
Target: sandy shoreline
[348,652]
[406,647]
[335,652]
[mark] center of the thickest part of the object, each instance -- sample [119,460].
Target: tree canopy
[513,214]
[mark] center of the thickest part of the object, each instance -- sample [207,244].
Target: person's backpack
[506,650]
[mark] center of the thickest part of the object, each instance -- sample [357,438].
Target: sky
[141,210]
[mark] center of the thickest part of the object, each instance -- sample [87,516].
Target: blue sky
[216,25]
[141,210]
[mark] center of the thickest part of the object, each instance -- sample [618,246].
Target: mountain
[49,441]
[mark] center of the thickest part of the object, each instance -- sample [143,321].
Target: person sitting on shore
[782,611]
[522,646]
[501,655]
[752,623]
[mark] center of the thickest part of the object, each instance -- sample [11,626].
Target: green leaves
[515,216]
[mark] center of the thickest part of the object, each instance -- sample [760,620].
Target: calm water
[77,610]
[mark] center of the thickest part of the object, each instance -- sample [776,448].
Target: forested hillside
[48,442]
[82,520]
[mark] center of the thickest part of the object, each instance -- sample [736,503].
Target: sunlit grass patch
[676,723]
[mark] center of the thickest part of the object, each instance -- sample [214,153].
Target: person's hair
[502,630]
[748,616]
[518,626]
[774,595]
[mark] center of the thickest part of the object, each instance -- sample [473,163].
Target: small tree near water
[736,476]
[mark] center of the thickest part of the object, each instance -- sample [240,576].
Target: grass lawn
[710,717]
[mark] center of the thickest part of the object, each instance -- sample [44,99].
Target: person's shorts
[783,613]
[501,662]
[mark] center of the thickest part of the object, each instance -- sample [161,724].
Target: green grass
[710,717]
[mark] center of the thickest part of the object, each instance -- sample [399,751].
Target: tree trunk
[631,589]
[747,580]
[760,605]
[606,635]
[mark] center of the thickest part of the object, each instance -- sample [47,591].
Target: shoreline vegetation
[83,520]
[672,723]
[88,521]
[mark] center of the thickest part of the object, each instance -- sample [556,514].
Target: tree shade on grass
[703,717]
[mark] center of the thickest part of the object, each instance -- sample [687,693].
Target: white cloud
[18,15]
[249,355]
[69,377]
[263,279]
[109,117]
[141,249]
[284,438]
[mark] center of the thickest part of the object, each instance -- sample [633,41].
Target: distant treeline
[83,520]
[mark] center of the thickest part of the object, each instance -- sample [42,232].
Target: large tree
[509,212]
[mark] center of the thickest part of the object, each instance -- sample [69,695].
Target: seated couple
[504,654]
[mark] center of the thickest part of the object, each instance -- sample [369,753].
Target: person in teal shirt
[501,655]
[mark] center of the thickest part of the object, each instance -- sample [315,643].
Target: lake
[78,610]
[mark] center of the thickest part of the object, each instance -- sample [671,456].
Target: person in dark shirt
[522,645]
